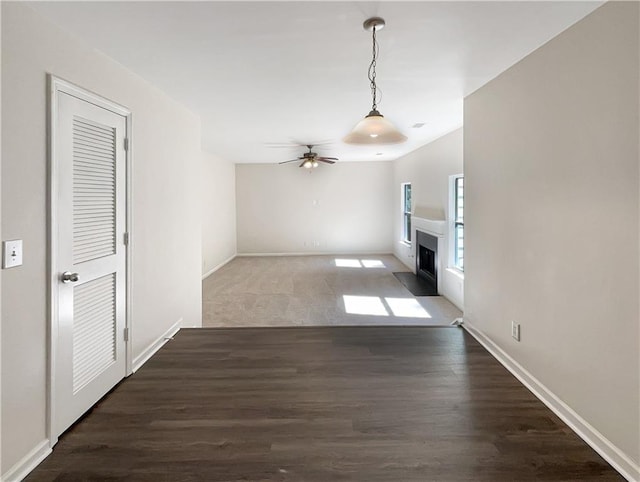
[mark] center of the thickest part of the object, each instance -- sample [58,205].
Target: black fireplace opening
[427,258]
[427,262]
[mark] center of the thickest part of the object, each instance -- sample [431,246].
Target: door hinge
[126,143]
[125,239]
[126,334]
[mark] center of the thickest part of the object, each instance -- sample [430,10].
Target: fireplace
[427,258]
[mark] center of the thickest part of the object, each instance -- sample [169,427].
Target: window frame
[406,212]
[455,223]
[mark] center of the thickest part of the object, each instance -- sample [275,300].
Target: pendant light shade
[374,128]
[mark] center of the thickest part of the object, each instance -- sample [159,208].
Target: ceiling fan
[311,159]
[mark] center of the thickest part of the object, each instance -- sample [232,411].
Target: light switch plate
[11,253]
[515,331]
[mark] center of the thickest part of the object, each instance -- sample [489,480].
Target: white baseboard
[218,266]
[155,346]
[318,253]
[607,450]
[29,462]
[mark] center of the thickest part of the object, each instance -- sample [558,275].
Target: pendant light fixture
[374,128]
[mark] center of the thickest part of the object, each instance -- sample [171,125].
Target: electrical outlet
[515,331]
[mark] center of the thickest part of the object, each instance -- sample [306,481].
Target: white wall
[428,170]
[166,237]
[551,184]
[218,211]
[344,208]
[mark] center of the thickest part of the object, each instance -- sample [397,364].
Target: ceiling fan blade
[286,162]
[324,159]
[294,143]
[315,144]
[303,163]
[329,158]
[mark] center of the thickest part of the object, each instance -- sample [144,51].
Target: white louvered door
[90,353]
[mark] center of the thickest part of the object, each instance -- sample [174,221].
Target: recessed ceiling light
[418,125]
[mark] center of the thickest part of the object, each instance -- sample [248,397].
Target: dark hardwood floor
[322,404]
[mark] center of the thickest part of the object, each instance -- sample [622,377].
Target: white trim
[129,248]
[434,227]
[29,462]
[218,266]
[52,247]
[55,86]
[319,253]
[156,345]
[60,85]
[598,442]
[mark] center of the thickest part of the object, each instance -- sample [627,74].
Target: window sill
[456,272]
[405,243]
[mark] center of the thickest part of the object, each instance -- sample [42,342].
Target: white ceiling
[296,72]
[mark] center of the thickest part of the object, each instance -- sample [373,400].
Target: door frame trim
[55,86]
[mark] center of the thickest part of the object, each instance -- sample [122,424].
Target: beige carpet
[315,291]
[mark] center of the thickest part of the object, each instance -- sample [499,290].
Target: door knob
[69,277]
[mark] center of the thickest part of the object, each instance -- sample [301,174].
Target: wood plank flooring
[322,404]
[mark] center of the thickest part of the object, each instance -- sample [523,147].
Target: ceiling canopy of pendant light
[374,128]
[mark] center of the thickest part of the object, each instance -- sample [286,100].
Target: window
[406,212]
[457,217]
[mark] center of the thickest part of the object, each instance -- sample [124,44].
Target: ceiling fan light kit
[374,128]
[309,164]
[311,160]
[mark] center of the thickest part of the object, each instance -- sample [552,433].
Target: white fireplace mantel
[434,227]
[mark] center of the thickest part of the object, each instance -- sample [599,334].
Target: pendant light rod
[372,25]
[372,72]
